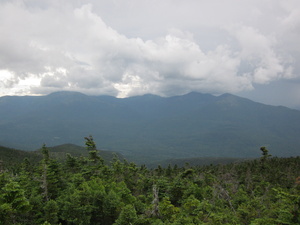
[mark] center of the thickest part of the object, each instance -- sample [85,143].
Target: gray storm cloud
[73,48]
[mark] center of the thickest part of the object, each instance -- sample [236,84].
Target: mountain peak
[152,127]
[226,95]
[195,97]
[65,93]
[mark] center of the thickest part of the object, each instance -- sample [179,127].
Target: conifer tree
[45,164]
[51,212]
[127,216]
[265,156]
[13,203]
[91,147]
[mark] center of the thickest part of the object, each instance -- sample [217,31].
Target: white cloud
[259,51]
[11,85]
[115,48]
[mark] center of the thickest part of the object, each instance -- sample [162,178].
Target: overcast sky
[124,48]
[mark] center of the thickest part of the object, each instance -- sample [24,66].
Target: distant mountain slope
[147,128]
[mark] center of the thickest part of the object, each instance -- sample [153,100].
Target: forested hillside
[10,157]
[83,190]
[151,128]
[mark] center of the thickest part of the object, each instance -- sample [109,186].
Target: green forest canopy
[85,190]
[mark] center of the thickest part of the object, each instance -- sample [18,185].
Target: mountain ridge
[151,127]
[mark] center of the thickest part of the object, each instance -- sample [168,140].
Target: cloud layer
[46,47]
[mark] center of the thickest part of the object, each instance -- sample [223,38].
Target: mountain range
[149,127]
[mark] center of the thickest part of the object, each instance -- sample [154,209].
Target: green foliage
[127,216]
[11,158]
[45,153]
[51,212]
[13,203]
[93,152]
[81,191]
[90,144]
[167,210]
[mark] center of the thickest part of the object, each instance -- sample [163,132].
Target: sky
[125,48]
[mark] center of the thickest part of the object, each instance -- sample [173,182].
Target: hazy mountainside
[149,128]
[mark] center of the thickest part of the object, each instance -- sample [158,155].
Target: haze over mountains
[149,127]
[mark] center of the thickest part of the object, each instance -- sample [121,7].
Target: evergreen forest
[87,190]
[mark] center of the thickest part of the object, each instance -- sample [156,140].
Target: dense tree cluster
[84,190]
